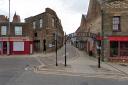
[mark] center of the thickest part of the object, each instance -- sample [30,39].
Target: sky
[69,11]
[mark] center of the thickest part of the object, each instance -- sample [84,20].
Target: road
[12,72]
[12,68]
[30,78]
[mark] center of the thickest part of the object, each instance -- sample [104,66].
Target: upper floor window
[18,30]
[116,23]
[53,22]
[41,23]
[34,24]
[3,30]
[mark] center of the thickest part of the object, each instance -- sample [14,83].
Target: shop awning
[118,38]
[99,38]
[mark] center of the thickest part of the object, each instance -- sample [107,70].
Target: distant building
[46,28]
[17,39]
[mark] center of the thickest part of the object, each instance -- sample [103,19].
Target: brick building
[108,20]
[16,39]
[46,27]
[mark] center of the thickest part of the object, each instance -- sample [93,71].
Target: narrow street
[50,58]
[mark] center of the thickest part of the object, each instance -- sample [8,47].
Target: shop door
[4,47]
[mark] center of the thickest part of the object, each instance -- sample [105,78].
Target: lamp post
[56,48]
[99,53]
[65,51]
[8,46]
[102,32]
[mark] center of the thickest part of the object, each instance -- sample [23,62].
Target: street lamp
[56,47]
[65,51]
[98,46]
[102,32]
[8,46]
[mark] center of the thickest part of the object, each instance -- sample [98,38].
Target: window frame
[20,31]
[116,24]
[3,32]
[53,22]
[41,23]
[34,24]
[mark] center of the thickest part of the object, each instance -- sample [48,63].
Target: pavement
[83,65]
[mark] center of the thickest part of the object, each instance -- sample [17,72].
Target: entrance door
[4,47]
[37,45]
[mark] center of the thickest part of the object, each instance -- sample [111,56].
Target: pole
[8,46]
[99,54]
[56,48]
[102,30]
[99,62]
[65,51]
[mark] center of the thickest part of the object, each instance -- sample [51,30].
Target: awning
[118,38]
[99,38]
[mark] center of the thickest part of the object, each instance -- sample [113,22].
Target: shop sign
[14,39]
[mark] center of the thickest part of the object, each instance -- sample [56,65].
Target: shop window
[18,46]
[3,30]
[114,49]
[116,23]
[123,48]
[18,30]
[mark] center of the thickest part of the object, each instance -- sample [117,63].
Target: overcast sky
[69,11]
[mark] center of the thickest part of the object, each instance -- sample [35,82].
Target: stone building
[46,29]
[81,32]
[17,39]
[108,20]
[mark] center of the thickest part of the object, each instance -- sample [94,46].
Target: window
[116,23]
[34,24]
[3,30]
[18,46]
[53,22]
[41,23]
[18,30]
[114,48]
[35,34]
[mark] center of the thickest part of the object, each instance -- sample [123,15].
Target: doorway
[4,47]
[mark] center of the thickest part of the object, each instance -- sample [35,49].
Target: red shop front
[15,45]
[119,48]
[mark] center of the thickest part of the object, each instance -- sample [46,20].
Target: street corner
[61,68]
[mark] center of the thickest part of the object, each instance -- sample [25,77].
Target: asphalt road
[12,72]
[30,78]
[12,68]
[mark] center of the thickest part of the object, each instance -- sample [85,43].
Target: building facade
[108,20]
[15,36]
[47,29]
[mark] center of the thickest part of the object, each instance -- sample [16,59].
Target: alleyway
[50,58]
